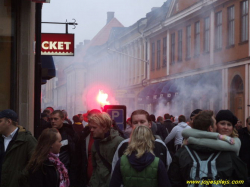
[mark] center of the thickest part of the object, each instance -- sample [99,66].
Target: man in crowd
[176,133]
[128,129]
[199,163]
[244,135]
[141,117]
[168,123]
[16,146]
[106,141]
[68,154]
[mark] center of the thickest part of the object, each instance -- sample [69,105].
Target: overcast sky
[91,15]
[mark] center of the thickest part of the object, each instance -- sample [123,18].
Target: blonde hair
[141,141]
[103,119]
[234,133]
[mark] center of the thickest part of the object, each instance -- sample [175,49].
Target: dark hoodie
[140,164]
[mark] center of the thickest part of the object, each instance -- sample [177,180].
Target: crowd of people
[207,150]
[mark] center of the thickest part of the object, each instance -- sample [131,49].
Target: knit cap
[226,115]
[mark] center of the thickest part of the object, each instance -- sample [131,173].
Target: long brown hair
[45,141]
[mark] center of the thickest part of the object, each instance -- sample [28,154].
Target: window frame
[173,48]
[218,31]
[206,35]
[231,26]
[153,56]
[164,59]
[158,58]
[188,41]
[242,15]
[180,39]
[197,31]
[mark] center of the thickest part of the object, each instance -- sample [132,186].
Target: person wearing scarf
[45,168]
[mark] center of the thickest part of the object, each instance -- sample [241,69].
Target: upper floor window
[188,41]
[244,21]
[230,12]
[179,45]
[164,62]
[206,35]
[172,48]
[218,30]
[158,54]
[153,57]
[197,38]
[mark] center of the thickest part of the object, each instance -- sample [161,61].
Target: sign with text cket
[57,44]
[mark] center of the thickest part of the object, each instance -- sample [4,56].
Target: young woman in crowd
[45,168]
[224,137]
[139,166]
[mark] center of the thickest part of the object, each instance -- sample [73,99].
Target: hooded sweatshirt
[140,164]
[176,133]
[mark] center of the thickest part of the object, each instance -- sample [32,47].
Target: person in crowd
[226,165]
[66,119]
[175,121]
[160,119]
[225,139]
[138,118]
[106,141]
[238,125]
[196,111]
[168,122]
[139,166]
[45,168]
[80,117]
[50,109]
[44,123]
[77,125]
[129,128]
[153,126]
[244,135]
[16,146]
[176,133]
[86,142]
[68,153]
[115,126]
[162,132]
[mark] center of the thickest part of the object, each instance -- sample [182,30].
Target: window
[197,38]
[164,63]
[244,21]
[206,35]
[218,32]
[179,45]
[158,54]
[230,12]
[172,48]
[188,44]
[153,57]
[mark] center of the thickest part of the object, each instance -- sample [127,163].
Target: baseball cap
[10,114]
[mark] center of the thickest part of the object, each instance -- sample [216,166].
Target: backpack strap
[209,174]
[196,160]
[104,161]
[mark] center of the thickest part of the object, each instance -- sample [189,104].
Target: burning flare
[102,98]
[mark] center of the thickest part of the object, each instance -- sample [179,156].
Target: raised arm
[219,145]
[186,133]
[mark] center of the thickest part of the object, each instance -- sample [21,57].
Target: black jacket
[161,131]
[245,147]
[140,164]
[69,153]
[46,176]
[168,124]
[228,165]
[83,169]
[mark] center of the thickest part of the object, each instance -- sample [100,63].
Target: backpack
[203,170]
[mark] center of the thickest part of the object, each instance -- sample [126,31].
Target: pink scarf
[64,178]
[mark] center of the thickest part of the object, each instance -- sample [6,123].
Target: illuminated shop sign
[57,44]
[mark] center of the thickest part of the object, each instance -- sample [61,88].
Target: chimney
[86,42]
[110,16]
